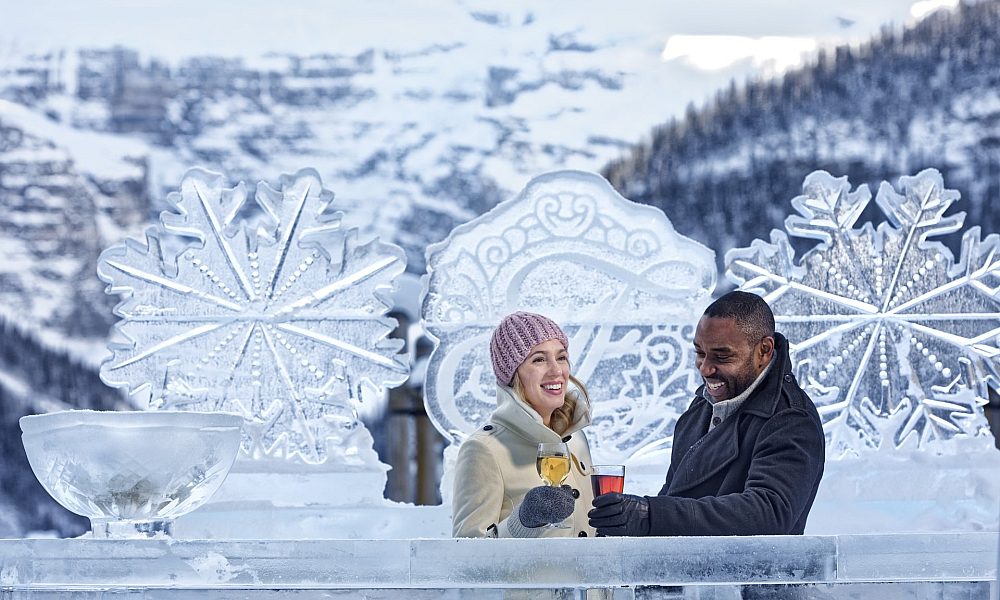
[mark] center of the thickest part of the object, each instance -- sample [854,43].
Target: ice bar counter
[938,565]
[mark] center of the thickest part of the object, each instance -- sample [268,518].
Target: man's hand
[543,505]
[620,514]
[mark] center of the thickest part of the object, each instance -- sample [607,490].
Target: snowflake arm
[276,314]
[894,342]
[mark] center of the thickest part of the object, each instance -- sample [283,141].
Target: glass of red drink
[607,479]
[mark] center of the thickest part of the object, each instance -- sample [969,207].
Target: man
[748,453]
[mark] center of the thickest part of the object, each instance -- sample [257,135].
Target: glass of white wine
[552,464]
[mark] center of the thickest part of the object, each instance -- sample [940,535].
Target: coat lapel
[712,453]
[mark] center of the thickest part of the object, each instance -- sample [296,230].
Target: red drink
[605,484]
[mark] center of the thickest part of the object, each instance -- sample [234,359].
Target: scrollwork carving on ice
[894,339]
[271,309]
[626,287]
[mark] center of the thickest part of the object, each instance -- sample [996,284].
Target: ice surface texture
[893,339]
[270,309]
[131,465]
[624,285]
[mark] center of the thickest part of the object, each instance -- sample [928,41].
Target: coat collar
[764,402]
[518,416]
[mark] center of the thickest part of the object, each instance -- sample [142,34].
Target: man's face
[726,359]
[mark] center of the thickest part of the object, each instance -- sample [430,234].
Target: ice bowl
[131,472]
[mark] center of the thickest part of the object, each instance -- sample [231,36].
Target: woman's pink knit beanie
[514,338]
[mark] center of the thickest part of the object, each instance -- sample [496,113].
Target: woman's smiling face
[543,376]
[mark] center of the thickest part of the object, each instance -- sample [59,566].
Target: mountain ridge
[841,114]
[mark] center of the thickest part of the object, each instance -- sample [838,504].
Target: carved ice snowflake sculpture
[271,309]
[894,340]
[623,284]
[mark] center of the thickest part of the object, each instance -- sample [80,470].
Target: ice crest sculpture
[894,340]
[271,309]
[625,286]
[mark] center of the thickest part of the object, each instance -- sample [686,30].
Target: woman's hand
[544,504]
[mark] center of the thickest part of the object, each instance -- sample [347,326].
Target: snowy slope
[63,204]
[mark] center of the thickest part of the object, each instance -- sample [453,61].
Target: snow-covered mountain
[415,129]
[413,141]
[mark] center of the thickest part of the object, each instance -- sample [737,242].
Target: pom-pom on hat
[514,338]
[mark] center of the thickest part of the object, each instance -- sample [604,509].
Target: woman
[498,492]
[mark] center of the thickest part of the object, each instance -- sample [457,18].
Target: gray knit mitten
[543,505]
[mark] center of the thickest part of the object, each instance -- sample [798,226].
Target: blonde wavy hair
[562,417]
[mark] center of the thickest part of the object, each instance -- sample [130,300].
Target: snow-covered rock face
[413,149]
[59,213]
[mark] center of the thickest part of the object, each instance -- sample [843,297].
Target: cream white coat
[496,468]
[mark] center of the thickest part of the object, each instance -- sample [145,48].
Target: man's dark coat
[756,473]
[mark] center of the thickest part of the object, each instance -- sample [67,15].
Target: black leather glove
[544,504]
[620,514]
